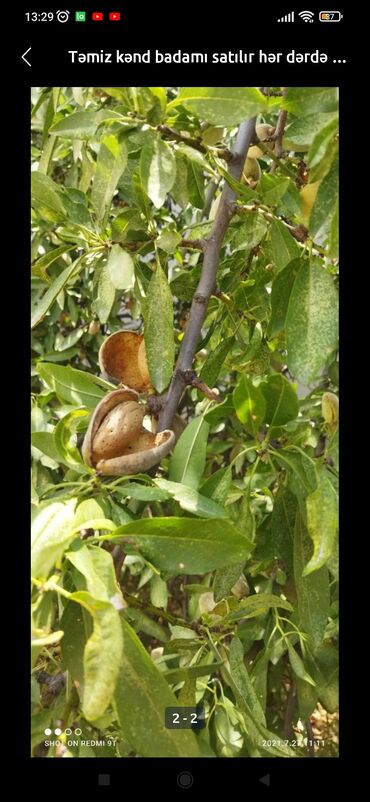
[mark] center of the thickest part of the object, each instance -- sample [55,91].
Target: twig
[207,280]
[196,143]
[198,244]
[284,169]
[299,233]
[190,377]
[170,133]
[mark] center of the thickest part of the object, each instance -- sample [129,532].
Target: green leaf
[137,194]
[284,247]
[39,722]
[311,322]
[220,412]
[272,188]
[158,170]
[158,592]
[74,386]
[158,330]
[321,142]
[220,105]
[63,433]
[175,675]
[43,305]
[76,633]
[217,485]
[281,400]
[280,294]
[120,267]
[333,239]
[256,733]
[214,362]
[45,442]
[225,579]
[103,650]
[179,190]
[307,697]
[256,605]
[141,687]
[313,590]
[122,223]
[249,234]
[169,240]
[191,501]
[82,124]
[186,545]
[142,492]
[111,162]
[184,285]
[303,130]
[322,522]
[195,183]
[39,267]
[324,207]
[302,101]
[106,292]
[324,667]
[87,510]
[242,680]
[250,405]
[97,566]
[301,466]
[255,300]
[189,455]
[102,655]
[75,203]
[51,534]
[283,523]
[45,198]
[297,665]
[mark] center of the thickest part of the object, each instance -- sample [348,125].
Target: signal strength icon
[306,16]
[287,18]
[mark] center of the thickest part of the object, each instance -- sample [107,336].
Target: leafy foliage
[213,579]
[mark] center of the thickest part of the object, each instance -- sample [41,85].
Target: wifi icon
[306,16]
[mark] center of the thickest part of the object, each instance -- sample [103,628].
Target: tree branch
[196,143]
[170,133]
[207,280]
[279,131]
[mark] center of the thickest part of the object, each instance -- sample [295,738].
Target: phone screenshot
[184,246]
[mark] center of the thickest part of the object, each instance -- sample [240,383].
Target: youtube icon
[114,16]
[97,16]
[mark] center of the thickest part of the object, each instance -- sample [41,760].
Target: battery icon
[330,16]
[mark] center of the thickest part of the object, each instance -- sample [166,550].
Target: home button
[185,779]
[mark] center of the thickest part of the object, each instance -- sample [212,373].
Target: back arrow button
[24,57]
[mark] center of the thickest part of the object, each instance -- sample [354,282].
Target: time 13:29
[43,16]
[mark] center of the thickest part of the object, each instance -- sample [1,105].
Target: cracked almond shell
[122,357]
[108,403]
[146,452]
[116,444]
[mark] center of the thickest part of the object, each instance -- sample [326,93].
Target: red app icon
[114,15]
[97,16]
